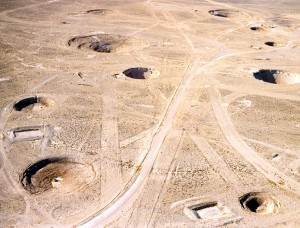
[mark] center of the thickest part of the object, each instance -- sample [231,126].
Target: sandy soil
[150,113]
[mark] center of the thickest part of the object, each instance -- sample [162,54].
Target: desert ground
[150,113]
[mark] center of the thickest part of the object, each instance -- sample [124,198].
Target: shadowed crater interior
[260,203]
[141,73]
[25,103]
[99,42]
[256,28]
[98,11]
[277,76]
[265,75]
[33,103]
[60,174]
[271,44]
[223,12]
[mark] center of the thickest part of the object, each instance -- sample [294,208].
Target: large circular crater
[60,174]
[260,203]
[34,104]
[277,76]
[105,43]
[141,73]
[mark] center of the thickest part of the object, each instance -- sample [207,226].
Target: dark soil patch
[98,11]
[223,12]
[99,42]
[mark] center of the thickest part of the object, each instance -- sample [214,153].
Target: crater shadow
[266,75]
[25,103]
[26,178]
[136,73]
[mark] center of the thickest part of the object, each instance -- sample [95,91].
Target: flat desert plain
[150,113]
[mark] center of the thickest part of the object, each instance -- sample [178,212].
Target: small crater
[98,11]
[277,76]
[260,203]
[60,174]
[30,133]
[141,73]
[99,42]
[256,28]
[33,104]
[271,44]
[275,157]
[223,12]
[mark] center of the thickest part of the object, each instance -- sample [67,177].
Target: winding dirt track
[250,155]
[126,199]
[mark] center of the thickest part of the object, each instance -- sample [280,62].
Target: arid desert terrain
[150,113]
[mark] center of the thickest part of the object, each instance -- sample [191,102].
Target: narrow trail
[218,163]
[127,198]
[110,142]
[248,91]
[276,148]
[6,166]
[236,141]
[27,7]
[165,125]
[5,17]
[167,177]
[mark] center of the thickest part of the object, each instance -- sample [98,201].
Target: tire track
[217,163]
[142,218]
[6,166]
[235,140]
[110,143]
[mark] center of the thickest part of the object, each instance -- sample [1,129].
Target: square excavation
[208,211]
[150,113]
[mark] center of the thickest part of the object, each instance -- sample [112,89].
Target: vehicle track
[6,166]
[166,124]
[164,127]
[217,163]
[108,213]
[236,141]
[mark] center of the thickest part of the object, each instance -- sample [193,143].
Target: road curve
[121,202]
[236,141]
[107,214]
[127,197]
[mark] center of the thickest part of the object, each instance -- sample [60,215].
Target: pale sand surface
[150,113]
